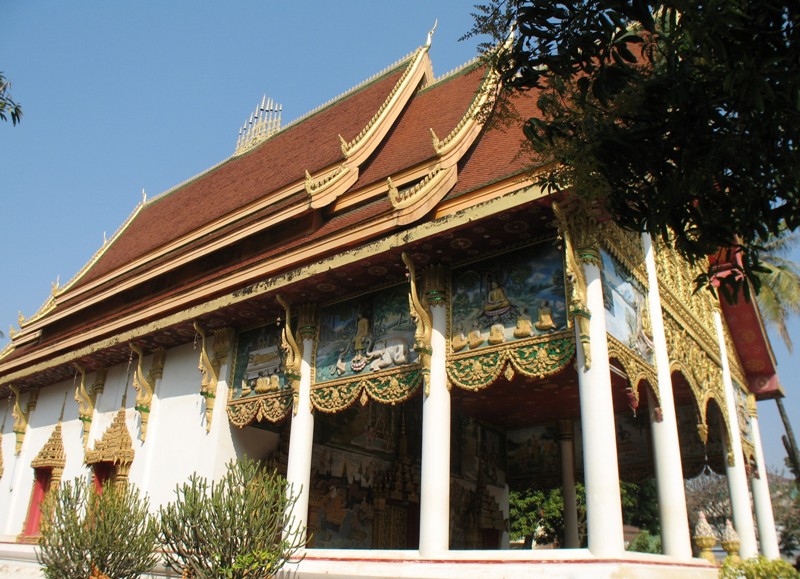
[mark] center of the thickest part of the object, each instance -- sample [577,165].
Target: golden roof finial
[264,122]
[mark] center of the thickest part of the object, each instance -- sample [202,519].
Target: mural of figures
[512,297]
[365,335]
[258,362]
[534,455]
[363,459]
[627,316]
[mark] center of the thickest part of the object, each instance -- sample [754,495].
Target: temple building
[380,301]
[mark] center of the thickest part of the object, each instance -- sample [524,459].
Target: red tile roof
[309,145]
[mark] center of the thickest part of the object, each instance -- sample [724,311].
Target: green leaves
[7,104]
[84,529]
[238,527]
[681,117]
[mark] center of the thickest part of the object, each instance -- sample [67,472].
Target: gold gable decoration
[116,447]
[535,358]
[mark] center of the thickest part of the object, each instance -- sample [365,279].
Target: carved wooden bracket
[21,416]
[209,366]
[292,355]
[420,313]
[144,384]
[86,402]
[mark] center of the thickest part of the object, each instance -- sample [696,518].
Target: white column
[675,538]
[434,517]
[737,477]
[601,470]
[566,441]
[301,442]
[767,534]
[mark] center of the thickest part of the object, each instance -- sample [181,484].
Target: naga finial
[430,34]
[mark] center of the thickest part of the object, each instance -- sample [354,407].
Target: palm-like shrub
[238,527]
[84,531]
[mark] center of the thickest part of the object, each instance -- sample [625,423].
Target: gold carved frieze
[626,247]
[693,309]
[272,407]
[702,372]
[387,387]
[536,358]
[636,369]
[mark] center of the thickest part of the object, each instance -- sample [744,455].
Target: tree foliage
[235,528]
[84,530]
[679,118]
[538,515]
[7,104]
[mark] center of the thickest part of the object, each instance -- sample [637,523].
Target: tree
[7,104]
[87,531]
[709,493]
[238,527]
[538,515]
[678,118]
[779,298]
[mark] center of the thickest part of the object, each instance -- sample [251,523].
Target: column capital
[436,285]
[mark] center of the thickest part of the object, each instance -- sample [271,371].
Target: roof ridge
[459,69]
[298,120]
[108,243]
[350,91]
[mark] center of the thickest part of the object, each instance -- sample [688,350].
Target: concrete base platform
[19,561]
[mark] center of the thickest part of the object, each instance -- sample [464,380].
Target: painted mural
[511,297]
[365,335]
[477,449]
[258,362]
[365,476]
[534,456]
[627,318]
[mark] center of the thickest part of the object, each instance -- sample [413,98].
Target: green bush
[112,531]
[644,542]
[235,528]
[757,568]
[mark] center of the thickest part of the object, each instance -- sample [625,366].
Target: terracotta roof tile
[439,107]
[309,145]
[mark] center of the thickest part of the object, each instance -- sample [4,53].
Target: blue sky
[124,96]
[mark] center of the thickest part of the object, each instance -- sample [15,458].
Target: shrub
[235,528]
[110,531]
[757,568]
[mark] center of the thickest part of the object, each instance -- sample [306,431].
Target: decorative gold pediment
[115,447]
[52,454]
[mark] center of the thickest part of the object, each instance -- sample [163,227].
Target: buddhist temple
[379,300]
